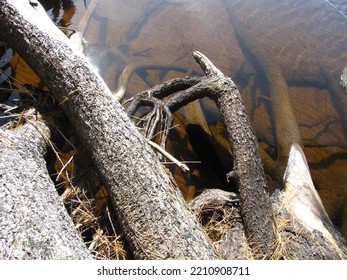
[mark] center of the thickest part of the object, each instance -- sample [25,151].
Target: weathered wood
[33,220]
[306,230]
[247,166]
[247,170]
[299,189]
[286,129]
[232,243]
[156,220]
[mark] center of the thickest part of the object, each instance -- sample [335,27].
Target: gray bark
[303,229]
[233,243]
[33,221]
[247,170]
[285,125]
[156,220]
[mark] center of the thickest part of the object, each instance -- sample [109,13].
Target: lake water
[253,42]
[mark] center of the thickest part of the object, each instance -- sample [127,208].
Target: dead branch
[248,172]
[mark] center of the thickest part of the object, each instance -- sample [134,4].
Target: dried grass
[216,222]
[89,212]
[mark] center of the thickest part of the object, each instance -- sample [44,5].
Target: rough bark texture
[248,170]
[33,221]
[285,125]
[155,219]
[233,243]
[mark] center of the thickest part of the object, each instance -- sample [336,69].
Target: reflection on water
[252,41]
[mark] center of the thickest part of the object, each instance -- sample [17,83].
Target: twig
[64,167]
[181,165]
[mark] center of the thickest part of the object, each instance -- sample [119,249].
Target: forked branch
[248,170]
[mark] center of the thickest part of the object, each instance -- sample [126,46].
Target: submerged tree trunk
[33,220]
[156,220]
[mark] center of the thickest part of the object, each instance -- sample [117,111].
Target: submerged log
[154,216]
[33,220]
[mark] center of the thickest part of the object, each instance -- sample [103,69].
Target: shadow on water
[154,39]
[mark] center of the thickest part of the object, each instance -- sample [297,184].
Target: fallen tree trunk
[34,222]
[156,220]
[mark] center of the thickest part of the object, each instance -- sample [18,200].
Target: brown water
[305,40]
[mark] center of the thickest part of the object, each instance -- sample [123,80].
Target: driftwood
[155,219]
[34,222]
[247,167]
[285,125]
[304,227]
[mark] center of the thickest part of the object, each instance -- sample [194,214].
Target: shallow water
[306,41]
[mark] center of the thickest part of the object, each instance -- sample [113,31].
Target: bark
[285,125]
[156,220]
[231,243]
[33,220]
[247,170]
[303,228]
